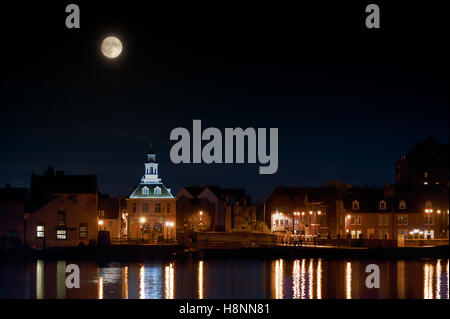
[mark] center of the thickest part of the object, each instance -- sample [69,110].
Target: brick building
[386,213]
[308,211]
[63,210]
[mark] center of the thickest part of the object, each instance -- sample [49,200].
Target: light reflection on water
[278,279]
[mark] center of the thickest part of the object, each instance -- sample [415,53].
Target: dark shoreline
[174,252]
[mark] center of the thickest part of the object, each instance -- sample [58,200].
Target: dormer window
[382,204]
[145,190]
[402,204]
[157,190]
[355,204]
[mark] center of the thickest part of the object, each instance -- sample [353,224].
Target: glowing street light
[142,220]
[170,226]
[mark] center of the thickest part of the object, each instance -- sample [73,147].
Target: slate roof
[369,199]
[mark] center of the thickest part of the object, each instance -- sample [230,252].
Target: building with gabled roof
[151,207]
[219,200]
[63,210]
[308,211]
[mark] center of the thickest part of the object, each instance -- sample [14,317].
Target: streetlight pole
[293,222]
[428,212]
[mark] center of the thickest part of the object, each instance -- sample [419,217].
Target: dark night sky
[348,101]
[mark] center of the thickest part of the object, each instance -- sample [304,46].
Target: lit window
[402,204]
[358,220]
[157,190]
[425,174]
[83,231]
[355,204]
[61,234]
[40,231]
[145,191]
[382,204]
[101,213]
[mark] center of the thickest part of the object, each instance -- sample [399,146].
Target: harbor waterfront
[295,278]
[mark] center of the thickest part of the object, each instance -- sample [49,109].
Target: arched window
[157,190]
[145,190]
[355,204]
[382,204]
[402,204]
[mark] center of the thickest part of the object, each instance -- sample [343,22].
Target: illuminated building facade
[151,207]
[412,212]
[307,211]
[63,210]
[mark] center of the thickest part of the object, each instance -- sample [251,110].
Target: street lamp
[293,220]
[201,217]
[142,221]
[170,225]
[100,223]
[347,221]
[428,212]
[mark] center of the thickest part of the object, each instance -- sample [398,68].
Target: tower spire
[151,168]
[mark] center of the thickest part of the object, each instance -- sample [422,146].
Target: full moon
[111,47]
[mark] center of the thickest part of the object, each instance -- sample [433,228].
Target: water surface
[278,278]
